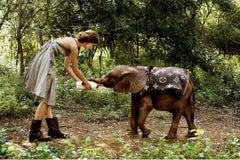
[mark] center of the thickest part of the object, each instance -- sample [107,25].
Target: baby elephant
[165,89]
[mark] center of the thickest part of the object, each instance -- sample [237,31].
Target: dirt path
[113,134]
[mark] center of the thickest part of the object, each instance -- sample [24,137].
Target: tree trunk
[20,53]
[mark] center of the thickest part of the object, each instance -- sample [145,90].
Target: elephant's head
[123,78]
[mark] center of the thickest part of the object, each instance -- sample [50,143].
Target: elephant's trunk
[102,81]
[99,80]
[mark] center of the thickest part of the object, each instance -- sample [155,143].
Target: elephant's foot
[145,133]
[133,132]
[171,136]
[191,134]
[133,136]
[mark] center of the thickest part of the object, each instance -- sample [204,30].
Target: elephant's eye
[110,75]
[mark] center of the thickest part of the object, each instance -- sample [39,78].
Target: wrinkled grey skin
[123,78]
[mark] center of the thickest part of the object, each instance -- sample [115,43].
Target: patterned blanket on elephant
[166,79]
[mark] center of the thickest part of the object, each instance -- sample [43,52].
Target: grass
[65,149]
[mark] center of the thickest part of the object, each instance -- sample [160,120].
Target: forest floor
[113,134]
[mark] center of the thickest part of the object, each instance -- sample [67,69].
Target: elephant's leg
[189,116]
[176,116]
[134,115]
[144,110]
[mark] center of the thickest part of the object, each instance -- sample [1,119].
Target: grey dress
[40,77]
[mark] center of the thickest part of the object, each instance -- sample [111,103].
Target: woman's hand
[87,85]
[99,85]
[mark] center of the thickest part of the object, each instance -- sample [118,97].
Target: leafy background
[202,35]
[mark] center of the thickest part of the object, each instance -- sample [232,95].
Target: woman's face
[89,46]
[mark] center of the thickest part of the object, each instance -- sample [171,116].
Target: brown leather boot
[35,132]
[53,128]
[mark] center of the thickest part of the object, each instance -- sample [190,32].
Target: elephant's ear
[131,81]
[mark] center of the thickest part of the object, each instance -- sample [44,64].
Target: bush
[210,90]
[14,99]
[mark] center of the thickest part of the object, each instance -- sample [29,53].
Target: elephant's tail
[193,97]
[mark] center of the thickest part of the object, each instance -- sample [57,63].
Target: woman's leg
[41,111]
[53,126]
[35,132]
[48,113]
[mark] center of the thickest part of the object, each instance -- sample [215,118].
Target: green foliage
[225,33]
[65,149]
[154,33]
[192,149]
[217,86]
[14,99]
[206,91]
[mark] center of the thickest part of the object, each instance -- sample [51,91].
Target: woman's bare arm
[74,71]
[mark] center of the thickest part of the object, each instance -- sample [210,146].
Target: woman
[40,78]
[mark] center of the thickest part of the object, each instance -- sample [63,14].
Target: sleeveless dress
[41,74]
